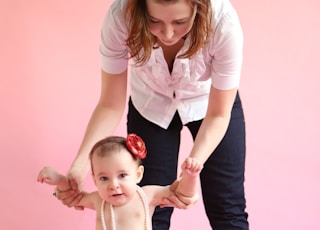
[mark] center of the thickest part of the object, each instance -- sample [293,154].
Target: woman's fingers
[75,180]
[74,203]
[174,185]
[167,203]
[74,184]
[70,198]
[64,195]
[175,202]
[181,202]
[188,201]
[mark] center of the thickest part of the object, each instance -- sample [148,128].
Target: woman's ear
[140,172]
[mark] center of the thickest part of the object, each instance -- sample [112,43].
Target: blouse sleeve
[226,50]
[113,50]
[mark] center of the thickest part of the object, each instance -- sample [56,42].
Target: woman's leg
[222,178]
[162,157]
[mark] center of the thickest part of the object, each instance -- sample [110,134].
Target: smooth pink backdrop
[49,84]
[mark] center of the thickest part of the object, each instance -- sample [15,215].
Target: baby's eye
[103,178]
[123,175]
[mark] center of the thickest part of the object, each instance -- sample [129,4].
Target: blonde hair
[140,40]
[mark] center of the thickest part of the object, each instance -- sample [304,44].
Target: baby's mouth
[118,194]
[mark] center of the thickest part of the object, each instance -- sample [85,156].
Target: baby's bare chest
[131,217]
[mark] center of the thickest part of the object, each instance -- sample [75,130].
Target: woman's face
[170,21]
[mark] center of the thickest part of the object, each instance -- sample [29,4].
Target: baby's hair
[111,145]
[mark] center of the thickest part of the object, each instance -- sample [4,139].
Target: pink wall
[49,83]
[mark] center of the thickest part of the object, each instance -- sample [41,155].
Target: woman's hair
[110,145]
[140,40]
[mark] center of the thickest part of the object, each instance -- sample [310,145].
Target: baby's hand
[49,176]
[191,166]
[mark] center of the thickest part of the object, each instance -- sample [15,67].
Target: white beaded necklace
[145,203]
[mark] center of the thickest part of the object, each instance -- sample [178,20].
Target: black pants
[222,178]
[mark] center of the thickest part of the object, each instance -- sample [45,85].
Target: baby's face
[116,177]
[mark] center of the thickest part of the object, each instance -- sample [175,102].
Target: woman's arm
[104,120]
[211,132]
[215,123]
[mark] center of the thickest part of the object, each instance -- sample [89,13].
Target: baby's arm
[187,186]
[182,193]
[50,176]
[158,195]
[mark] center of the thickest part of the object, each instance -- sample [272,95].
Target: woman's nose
[168,31]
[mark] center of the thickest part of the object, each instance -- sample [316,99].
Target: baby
[116,170]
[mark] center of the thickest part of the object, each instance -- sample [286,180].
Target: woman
[185,64]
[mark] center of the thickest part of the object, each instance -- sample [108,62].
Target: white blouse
[156,93]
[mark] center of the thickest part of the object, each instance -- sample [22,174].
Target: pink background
[50,75]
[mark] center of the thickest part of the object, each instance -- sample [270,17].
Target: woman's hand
[76,178]
[72,196]
[180,202]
